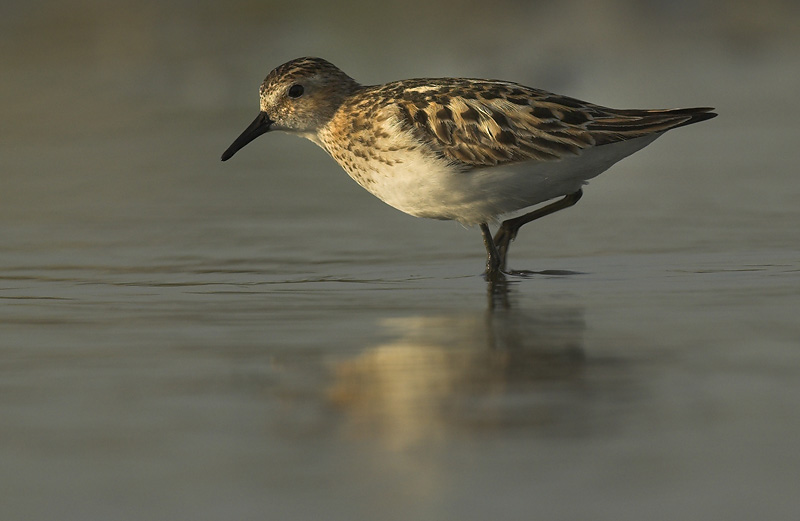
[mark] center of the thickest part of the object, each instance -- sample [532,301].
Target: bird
[462,149]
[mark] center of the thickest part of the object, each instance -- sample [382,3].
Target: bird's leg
[508,230]
[492,256]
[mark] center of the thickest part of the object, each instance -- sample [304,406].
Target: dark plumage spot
[550,126]
[540,142]
[537,153]
[442,132]
[465,94]
[505,137]
[574,117]
[405,113]
[470,115]
[564,135]
[565,101]
[556,148]
[498,154]
[421,117]
[518,101]
[542,113]
[360,125]
[477,136]
[491,94]
[500,119]
[444,113]
[463,154]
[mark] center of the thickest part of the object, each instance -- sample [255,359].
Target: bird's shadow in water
[531,273]
[514,364]
[499,287]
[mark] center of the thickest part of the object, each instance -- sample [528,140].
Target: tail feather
[615,125]
[695,115]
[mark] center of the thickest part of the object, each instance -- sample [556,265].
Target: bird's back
[487,122]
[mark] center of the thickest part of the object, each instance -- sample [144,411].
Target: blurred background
[111,108]
[263,339]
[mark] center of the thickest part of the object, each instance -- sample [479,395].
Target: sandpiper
[468,150]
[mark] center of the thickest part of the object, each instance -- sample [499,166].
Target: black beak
[259,126]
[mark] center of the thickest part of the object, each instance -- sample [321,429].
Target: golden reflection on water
[473,371]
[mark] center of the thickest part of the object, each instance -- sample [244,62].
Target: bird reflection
[471,371]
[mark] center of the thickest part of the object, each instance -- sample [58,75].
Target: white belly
[428,187]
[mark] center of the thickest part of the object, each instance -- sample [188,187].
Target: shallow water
[261,339]
[236,392]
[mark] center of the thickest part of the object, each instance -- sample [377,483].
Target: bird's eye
[295,91]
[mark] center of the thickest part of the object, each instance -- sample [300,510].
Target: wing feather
[483,123]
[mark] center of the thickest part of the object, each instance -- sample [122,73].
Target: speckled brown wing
[486,123]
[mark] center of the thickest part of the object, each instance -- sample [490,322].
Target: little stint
[468,150]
